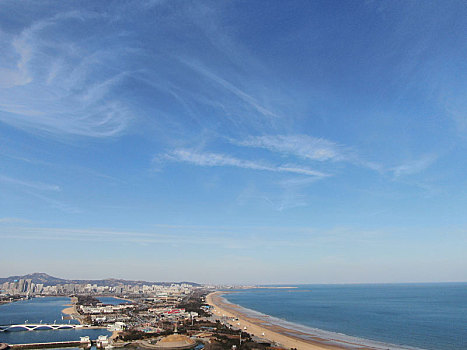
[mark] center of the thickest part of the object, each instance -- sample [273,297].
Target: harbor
[31,323]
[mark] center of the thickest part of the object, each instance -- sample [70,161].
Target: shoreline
[71,311]
[122,298]
[287,337]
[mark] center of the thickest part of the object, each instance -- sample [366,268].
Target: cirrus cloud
[219,160]
[59,86]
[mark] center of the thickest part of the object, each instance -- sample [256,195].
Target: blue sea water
[112,301]
[425,316]
[47,310]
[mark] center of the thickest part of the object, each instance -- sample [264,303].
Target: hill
[47,280]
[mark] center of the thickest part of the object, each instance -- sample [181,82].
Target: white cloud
[301,146]
[216,159]
[55,86]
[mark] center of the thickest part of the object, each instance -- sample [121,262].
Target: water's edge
[320,333]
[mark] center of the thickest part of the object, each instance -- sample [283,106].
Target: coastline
[287,337]
[122,298]
[71,311]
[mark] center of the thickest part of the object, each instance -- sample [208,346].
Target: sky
[240,142]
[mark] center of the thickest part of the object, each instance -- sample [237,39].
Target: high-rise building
[20,287]
[27,285]
[38,288]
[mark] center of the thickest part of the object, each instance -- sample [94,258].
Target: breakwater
[59,344]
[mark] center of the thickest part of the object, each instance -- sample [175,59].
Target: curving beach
[288,338]
[71,310]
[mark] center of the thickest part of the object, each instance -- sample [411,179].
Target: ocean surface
[45,310]
[112,301]
[421,316]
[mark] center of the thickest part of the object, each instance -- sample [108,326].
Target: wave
[340,339]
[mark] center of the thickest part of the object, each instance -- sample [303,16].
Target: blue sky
[234,141]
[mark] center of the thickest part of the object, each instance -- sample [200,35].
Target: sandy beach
[71,310]
[287,338]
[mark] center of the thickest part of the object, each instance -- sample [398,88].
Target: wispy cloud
[29,184]
[219,160]
[57,204]
[38,190]
[232,237]
[102,235]
[12,220]
[241,94]
[302,146]
[54,87]
[415,166]
[308,148]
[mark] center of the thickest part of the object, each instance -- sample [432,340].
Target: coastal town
[233,175]
[151,316]
[112,313]
[106,314]
[27,287]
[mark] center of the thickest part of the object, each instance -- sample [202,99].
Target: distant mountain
[48,280]
[36,278]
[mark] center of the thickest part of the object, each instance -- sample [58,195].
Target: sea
[45,310]
[385,316]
